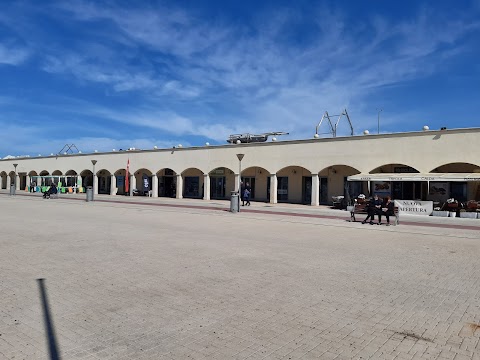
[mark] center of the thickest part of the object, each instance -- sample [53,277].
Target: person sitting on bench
[371,211]
[51,191]
[387,210]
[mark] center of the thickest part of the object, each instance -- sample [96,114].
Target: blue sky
[107,75]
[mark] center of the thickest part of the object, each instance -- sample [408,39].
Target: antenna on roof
[333,128]
[68,149]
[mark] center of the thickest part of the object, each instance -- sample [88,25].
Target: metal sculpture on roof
[251,138]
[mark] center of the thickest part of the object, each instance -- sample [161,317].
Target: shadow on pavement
[49,327]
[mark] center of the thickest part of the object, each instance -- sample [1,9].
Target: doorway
[217,187]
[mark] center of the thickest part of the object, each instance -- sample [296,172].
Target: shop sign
[439,191]
[381,188]
[414,207]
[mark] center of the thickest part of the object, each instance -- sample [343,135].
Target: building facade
[303,171]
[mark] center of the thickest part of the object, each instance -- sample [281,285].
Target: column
[237,183]
[133,184]
[95,184]
[179,187]
[273,189]
[1,182]
[17,182]
[154,185]
[27,182]
[113,184]
[315,190]
[206,187]
[9,182]
[79,182]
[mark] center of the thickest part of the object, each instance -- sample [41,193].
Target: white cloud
[13,55]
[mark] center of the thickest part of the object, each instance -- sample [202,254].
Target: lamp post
[15,177]
[240,157]
[378,120]
[93,179]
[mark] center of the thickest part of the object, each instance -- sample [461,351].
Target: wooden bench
[360,209]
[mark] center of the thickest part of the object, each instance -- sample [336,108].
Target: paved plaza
[128,281]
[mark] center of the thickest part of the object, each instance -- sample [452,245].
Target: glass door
[217,187]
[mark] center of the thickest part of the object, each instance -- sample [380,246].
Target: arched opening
[463,189]
[333,182]
[143,182]
[193,183]
[167,183]
[292,186]
[258,179]
[222,183]
[104,181]
[120,182]
[87,179]
[56,173]
[3,180]
[402,190]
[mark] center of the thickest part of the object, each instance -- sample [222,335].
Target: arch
[32,173]
[87,177]
[143,180]
[332,182]
[192,183]
[167,182]
[461,191]
[292,184]
[71,173]
[222,183]
[3,180]
[457,167]
[104,181]
[120,181]
[394,168]
[258,179]
[44,173]
[406,190]
[57,173]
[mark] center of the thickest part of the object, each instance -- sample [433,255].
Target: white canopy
[416,177]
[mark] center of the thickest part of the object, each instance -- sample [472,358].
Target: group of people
[245,192]
[378,207]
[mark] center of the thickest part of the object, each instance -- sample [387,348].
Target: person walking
[246,196]
[242,190]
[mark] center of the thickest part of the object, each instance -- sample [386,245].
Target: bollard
[13,188]
[234,202]
[89,193]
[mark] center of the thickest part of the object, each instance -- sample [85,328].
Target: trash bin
[12,189]
[89,193]
[234,201]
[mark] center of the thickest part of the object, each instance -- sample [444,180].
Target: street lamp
[240,157]
[378,119]
[93,179]
[15,178]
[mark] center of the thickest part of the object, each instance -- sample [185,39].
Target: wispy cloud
[13,55]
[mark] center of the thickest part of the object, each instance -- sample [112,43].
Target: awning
[416,177]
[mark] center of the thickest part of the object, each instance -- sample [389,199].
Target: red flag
[127,176]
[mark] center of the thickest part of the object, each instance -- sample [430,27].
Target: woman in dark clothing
[387,210]
[371,211]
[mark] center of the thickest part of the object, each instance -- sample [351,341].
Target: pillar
[237,183]
[273,189]
[113,184]
[179,187]
[154,185]
[1,182]
[132,184]
[95,184]
[27,182]
[9,182]
[206,187]
[315,190]
[79,181]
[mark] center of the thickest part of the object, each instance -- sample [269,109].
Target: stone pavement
[128,281]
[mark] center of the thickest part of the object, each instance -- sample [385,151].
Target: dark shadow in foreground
[49,328]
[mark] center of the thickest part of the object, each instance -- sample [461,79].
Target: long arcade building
[427,165]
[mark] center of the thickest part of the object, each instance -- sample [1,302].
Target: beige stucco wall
[424,151]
